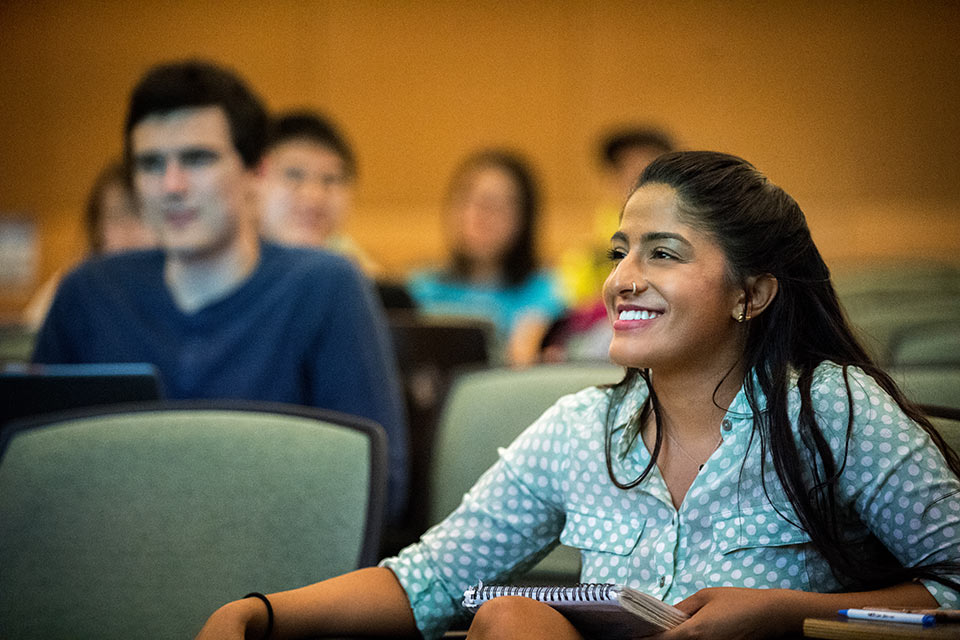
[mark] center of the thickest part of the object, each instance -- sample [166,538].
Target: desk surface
[840,629]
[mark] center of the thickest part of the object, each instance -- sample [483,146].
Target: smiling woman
[730,472]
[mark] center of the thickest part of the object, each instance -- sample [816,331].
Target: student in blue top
[219,312]
[491,215]
[754,467]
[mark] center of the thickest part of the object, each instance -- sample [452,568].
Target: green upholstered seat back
[932,384]
[949,428]
[142,524]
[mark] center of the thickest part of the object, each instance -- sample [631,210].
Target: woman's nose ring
[634,288]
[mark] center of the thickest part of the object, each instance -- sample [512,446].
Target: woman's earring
[743,316]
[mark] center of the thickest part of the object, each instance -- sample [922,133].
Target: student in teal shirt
[754,467]
[491,214]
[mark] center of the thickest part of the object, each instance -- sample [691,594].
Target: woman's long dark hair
[519,260]
[762,230]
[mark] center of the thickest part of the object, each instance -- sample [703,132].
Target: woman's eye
[660,254]
[616,255]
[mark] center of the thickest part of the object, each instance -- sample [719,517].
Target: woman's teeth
[630,314]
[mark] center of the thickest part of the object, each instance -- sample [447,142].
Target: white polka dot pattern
[552,483]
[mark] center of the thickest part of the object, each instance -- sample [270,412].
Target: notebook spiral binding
[584,592]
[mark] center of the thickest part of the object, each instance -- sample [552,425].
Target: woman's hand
[523,346]
[731,613]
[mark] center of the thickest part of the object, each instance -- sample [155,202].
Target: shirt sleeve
[898,480]
[506,523]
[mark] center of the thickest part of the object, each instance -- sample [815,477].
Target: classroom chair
[879,327]
[937,385]
[946,421]
[16,343]
[140,520]
[430,350]
[884,278]
[934,343]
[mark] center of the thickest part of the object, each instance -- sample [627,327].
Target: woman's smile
[634,317]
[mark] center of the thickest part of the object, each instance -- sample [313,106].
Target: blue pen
[888,616]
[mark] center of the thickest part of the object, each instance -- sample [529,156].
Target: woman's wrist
[268,625]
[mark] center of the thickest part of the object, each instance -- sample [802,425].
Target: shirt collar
[636,395]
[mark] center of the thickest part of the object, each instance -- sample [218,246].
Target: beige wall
[851,106]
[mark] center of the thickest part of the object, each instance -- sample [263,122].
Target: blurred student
[583,333]
[491,212]
[113,219]
[219,312]
[112,223]
[306,186]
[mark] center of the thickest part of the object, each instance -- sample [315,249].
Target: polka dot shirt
[551,484]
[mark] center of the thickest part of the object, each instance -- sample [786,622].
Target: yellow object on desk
[842,629]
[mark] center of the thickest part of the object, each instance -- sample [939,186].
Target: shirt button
[726,425]
[661,582]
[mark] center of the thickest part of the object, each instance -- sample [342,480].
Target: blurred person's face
[485,212]
[304,193]
[191,180]
[120,226]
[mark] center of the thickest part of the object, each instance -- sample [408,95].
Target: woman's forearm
[908,594]
[826,605]
[365,602]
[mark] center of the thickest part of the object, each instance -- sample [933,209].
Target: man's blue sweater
[304,328]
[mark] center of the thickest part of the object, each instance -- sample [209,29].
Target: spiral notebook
[606,611]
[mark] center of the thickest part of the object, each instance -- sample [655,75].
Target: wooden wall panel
[850,106]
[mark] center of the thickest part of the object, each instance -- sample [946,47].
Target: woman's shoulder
[541,290]
[830,379]
[540,280]
[587,399]
[579,411]
[431,280]
[836,390]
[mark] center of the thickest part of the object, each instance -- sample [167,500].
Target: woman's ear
[762,289]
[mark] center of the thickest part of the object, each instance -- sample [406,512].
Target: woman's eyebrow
[664,235]
[652,236]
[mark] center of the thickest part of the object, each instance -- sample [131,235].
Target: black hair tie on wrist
[260,596]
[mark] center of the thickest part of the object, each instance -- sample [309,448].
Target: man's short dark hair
[312,127]
[198,83]
[618,141]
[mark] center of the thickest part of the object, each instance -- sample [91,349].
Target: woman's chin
[627,360]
